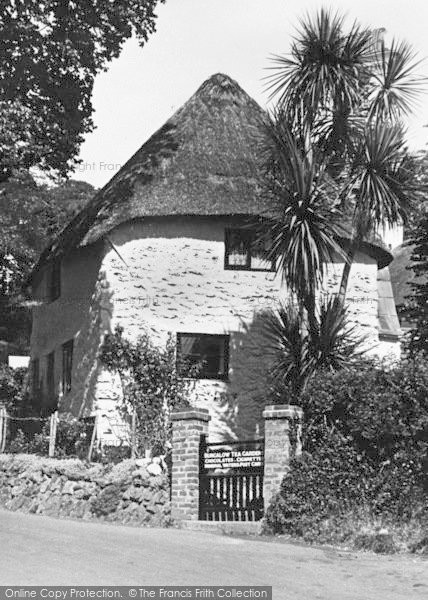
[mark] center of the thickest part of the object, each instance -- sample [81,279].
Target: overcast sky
[197,38]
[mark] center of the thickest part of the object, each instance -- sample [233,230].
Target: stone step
[225,527]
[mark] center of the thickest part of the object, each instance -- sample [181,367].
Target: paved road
[37,550]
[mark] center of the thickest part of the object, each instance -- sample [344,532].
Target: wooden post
[134,433]
[3,427]
[52,433]
[93,438]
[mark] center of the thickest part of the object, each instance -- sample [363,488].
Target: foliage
[24,442]
[304,236]
[342,93]
[115,454]
[150,384]
[50,54]
[12,388]
[30,216]
[297,353]
[365,458]
[32,437]
[416,310]
[384,410]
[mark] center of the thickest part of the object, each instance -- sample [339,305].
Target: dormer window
[245,251]
[54,280]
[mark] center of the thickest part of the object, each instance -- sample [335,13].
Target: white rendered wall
[170,277]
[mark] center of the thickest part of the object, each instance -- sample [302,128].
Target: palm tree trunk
[309,304]
[350,255]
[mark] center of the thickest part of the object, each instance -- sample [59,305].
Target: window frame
[247,267]
[54,280]
[50,376]
[67,366]
[35,376]
[200,376]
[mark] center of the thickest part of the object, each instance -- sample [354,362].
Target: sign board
[229,456]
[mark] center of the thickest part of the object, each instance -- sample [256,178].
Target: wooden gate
[231,480]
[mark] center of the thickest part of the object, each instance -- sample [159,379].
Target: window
[203,356]
[35,376]
[50,376]
[67,364]
[245,252]
[54,280]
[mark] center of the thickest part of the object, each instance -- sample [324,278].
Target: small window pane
[50,376]
[237,248]
[246,249]
[67,365]
[35,376]
[54,280]
[202,356]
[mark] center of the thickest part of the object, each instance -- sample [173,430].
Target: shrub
[151,386]
[13,388]
[365,440]
[72,438]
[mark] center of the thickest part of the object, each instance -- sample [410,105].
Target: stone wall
[129,492]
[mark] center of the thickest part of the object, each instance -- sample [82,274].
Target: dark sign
[229,456]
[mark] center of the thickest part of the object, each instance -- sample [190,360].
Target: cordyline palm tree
[335,147]
[344,93]
[304,234]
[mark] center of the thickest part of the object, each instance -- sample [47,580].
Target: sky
[197,38]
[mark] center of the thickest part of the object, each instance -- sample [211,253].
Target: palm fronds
[382,178]
[305,231]
[325,66]
[298,352]
[396,86]
[283,330]
[336,343]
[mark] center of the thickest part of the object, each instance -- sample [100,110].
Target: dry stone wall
[134,492]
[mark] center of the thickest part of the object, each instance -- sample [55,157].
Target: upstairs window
[35,376]
[54,280]
[245,252]
[67,365]
[50,377]
[203,356]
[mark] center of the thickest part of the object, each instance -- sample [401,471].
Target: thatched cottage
[166,246]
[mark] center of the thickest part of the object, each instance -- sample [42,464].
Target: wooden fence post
[93,438]
[52,433]
[134,433]
[3,427]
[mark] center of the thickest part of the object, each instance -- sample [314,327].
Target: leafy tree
[50,53]
[151,388]
[416,310]
[12,388]
[30,217]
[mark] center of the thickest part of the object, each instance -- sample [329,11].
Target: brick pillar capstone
[282,443]
[187,428]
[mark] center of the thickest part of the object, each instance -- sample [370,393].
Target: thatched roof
[203,161]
